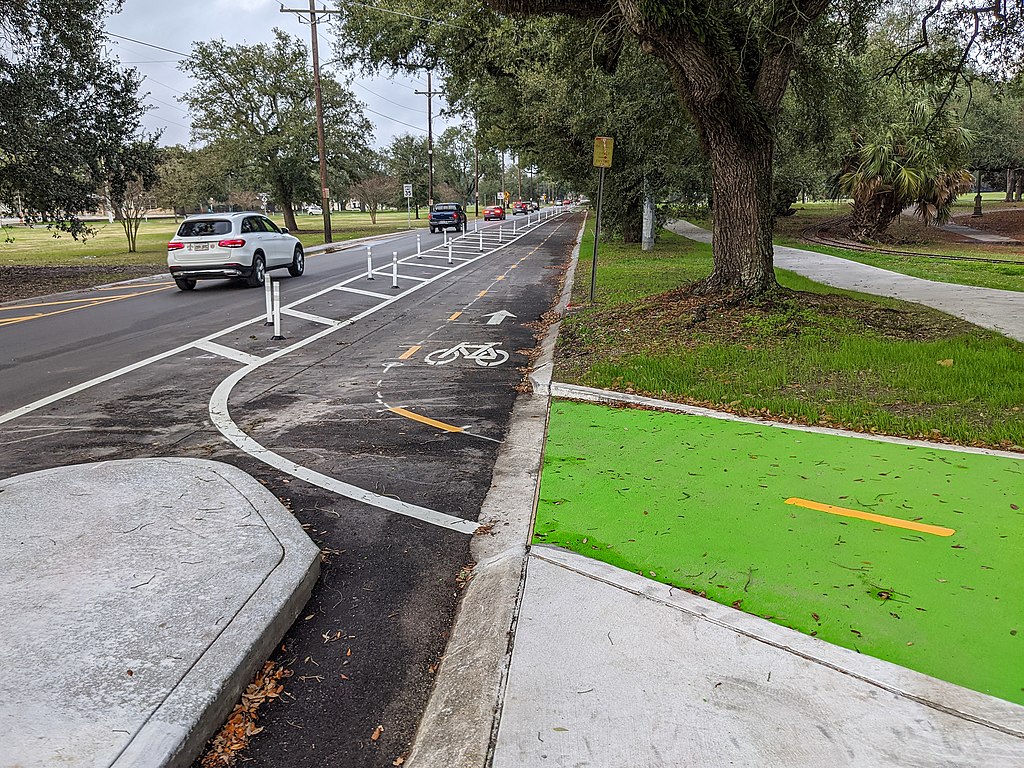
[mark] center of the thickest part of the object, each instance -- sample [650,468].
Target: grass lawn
[701,504]
[817,356]
[37,246]
[910,235]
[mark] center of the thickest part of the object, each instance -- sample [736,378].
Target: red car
[494,212]
[520,207]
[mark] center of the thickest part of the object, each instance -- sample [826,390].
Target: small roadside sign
[603,146]
[407,189]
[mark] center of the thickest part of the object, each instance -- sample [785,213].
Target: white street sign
[408,190]
[496,318]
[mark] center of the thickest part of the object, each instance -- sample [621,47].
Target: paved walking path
[977,234]
[1001,311]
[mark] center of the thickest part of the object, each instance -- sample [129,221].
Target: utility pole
[429,93]
[519,171]
[325,194]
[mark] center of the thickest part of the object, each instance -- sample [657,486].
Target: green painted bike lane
[701,503]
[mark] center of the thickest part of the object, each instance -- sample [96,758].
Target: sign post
[603,146]
[407,189]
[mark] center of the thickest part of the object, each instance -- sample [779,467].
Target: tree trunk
[1011,180]
[289,215]
[741,171]
[373,213]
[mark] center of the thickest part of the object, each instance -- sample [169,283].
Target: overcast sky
[391,104]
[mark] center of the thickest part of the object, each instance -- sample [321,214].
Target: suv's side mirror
[284,230]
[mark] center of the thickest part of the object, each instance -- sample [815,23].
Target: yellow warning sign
[603,146]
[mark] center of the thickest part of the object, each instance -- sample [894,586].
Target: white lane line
[222,419]
[306,316]
[361,292]
[229,352]
[425,264]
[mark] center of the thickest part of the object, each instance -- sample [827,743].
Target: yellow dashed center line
[481,294]
[910,525]
[500,277]
[455,316]
[410,352]
[425,420]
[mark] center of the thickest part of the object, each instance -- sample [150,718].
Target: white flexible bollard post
[394,269]
[481,241]
[277,312]
[369,262]
[501,232]
[449,253]
[270,301]
[445,233]
[419,250]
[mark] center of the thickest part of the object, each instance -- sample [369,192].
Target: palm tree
[918,161]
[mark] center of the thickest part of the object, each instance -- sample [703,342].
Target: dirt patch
[24,282]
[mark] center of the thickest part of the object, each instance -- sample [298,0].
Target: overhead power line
[148,45]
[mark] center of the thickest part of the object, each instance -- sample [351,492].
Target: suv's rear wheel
[298,262]
[258,275]
[185,283]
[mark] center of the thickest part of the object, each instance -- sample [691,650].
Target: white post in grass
[394,269]
[369,262]
[270,301]
[277,312]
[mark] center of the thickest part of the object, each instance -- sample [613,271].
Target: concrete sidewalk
[560,660]
[138,599]
[630,672]
[1001,311]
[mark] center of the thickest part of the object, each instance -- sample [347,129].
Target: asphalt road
[377,420]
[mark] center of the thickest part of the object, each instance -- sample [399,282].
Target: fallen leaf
[377,732]
[947,363]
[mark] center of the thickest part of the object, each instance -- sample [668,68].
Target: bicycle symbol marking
[486,355]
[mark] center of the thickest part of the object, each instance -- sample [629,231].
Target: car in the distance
[494,212]
[446,216]
[315,210]
[231,245]
[520,207]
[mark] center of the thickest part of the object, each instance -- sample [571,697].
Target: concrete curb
[459,726]
[190,646]
[201,702]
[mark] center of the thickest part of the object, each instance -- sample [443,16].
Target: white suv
[241,245]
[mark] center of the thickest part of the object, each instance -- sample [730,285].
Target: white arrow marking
[498,317]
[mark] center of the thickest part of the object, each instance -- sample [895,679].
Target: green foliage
[256,104]
[65,110]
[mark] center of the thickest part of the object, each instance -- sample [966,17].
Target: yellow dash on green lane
[409,352]
[455,316]
[425,420]
[911,525]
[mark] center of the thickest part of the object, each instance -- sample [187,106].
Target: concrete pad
[612,669]
[998,310]
[139,597]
